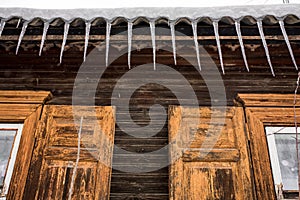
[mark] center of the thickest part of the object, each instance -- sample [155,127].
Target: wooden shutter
[224,172]
[55,154]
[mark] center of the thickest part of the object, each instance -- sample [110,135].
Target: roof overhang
[172,13]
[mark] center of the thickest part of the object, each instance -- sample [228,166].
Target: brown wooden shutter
[224,172]
[55,154]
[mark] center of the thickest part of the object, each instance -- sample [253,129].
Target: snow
[58,4]
[172,13]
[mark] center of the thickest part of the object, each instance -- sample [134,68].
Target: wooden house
[172,104]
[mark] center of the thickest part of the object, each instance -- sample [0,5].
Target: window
[283,157]
[10,135]
[270,122]
[17,108]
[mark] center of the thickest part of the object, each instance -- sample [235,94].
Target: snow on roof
[172,13]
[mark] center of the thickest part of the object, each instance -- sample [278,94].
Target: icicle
[130,24]
[152,29]
[194,27]
[18,24]
[108,28]
[66,31]
[262,35]
[87,35]
[216,29]
[77,161]
[2,25]
[239,34]
[45,30]
[281,23]
[25,24]
[172,26]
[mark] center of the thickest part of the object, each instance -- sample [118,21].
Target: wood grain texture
[219,172]
[267,100]
[24,155]
[28,71]
[53,162]
[22,107]
[208,182]
[13,96]
[257,119]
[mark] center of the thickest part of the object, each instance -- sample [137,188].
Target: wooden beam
[143,37]
[24,97]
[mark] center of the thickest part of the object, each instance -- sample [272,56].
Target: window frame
[273,152]
[13,154]
[265,110]
[22,107]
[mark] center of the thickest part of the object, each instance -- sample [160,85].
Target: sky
[64,4]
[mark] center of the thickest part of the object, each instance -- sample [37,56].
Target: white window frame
[270,134]
[13,154]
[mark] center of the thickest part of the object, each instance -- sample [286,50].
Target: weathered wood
[35,97]
[257,119]
[213,155]
[24,155]
[218,173]
[268,100]
[22,107]
[16,112]
[208,182]
[51,167]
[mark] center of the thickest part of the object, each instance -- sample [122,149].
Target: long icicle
[216,30]
[77,161]
[45,30]
[239,34]
[19,21]
[152,30]
[296,129]
[66,31]
[107,39]
[2,25]
[86,39]
[172,27]
[262,35]
[195,34]
[286,38]
[129,40]
[24,27]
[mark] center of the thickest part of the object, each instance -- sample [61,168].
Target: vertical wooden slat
[24,156]
[260,158]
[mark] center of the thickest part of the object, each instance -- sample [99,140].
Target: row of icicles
[152,30]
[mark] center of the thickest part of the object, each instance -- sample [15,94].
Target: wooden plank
[264,185]
[211,155]
[284,115]
[24,156]
[70,154]
[143,37]
[210,181]
[35,168]
[16,112]
[267,100]
[35,97]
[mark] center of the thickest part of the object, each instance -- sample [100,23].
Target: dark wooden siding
[28,71]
